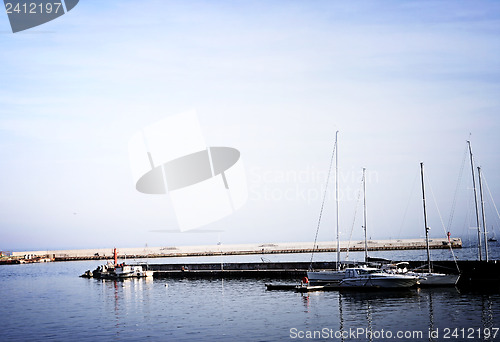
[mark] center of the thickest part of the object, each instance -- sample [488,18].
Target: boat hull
[379,282]
[438,279]
[325,277]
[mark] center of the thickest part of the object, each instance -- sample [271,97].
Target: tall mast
[337,196]
[475,201]
[485,234]
[425,220]
[364,214]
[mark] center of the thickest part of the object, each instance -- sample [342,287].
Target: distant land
[238,249]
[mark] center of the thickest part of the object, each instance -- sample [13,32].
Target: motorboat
[118,271]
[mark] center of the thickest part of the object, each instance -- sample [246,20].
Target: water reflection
[361,311]
[125,297]
[341,318]
[487,316]
[416,314]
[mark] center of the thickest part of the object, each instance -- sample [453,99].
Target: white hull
[364,277]
[379,282]
[325,277]
[122,272]
[437,279]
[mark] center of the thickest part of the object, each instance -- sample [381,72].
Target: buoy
[305,280]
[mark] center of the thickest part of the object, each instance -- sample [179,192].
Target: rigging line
[459,181]
[323,202]
[408,203]
[489,192]
[494,219]
[354,219]
[442,222]
[489,209]
[469,213]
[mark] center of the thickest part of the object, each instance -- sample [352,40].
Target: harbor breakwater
[473,274]
[241,249]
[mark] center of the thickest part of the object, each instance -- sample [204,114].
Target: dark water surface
[49,302]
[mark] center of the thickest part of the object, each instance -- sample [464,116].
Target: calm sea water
[49,302]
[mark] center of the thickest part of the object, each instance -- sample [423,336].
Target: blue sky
[403,82]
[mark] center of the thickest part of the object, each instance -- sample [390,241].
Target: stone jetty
[241,249]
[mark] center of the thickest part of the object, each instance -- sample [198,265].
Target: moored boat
[325,277]
[425,278]
[431,278]
[368,277]
[117,271]
[329,277]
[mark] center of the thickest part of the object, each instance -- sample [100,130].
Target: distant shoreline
[237,249]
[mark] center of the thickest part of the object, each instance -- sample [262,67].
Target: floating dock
[246,249]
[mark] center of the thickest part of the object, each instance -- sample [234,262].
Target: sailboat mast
[364,213]
[475,201]
[337,196]
[425,220]
[482,210]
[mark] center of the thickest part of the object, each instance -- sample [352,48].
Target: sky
[403,82]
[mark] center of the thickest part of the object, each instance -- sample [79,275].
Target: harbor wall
[241,249]
[484,275]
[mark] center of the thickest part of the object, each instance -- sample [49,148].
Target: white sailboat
[370,277]
[330,277]
[492,238]
[431,278]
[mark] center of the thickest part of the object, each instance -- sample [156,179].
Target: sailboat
[431,278]
[492,238]
[479,245]
[356,277]
[370,277]
[330,277]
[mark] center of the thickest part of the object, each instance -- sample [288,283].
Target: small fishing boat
[117,271]
[129,271]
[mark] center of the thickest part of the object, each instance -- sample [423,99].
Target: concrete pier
[241,249]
